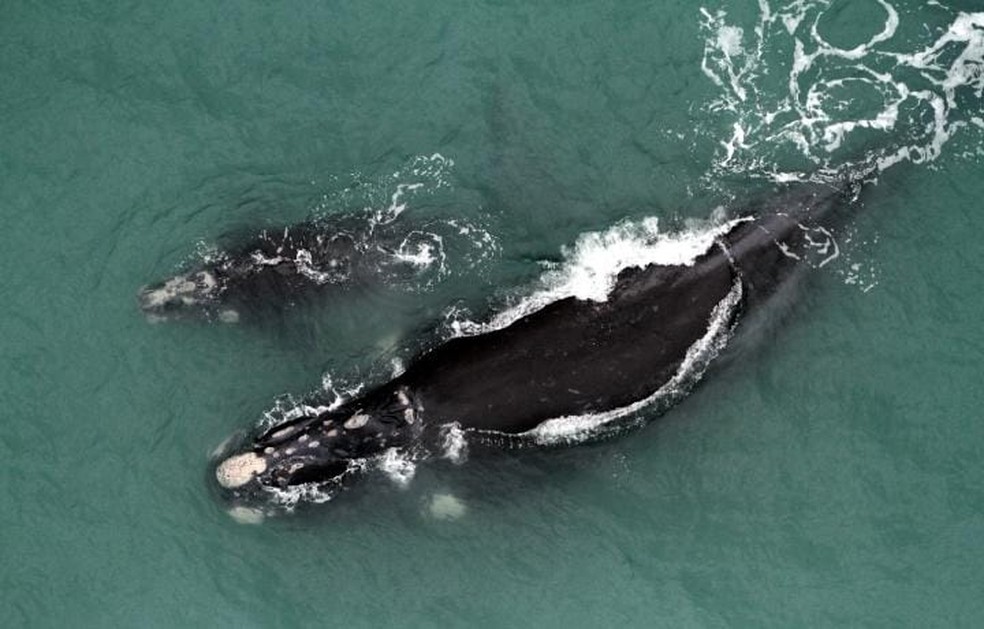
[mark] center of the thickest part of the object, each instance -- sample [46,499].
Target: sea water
[826,471]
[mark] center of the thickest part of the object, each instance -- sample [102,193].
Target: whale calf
[278,267]
[645,344]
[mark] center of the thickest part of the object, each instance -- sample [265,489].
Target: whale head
[189,295]
[322,448]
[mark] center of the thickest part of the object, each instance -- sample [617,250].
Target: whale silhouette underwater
[279,267]
[570,371]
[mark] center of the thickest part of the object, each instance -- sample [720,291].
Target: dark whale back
[579,356]
[574,356]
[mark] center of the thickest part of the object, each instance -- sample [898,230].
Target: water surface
[828,473]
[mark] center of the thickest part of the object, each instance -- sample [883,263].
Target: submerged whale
[647,343]
[278,267]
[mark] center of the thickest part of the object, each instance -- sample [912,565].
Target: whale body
[571,358]
[276,268]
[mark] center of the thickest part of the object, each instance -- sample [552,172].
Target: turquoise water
[827,473]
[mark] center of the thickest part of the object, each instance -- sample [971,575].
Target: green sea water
[828,472]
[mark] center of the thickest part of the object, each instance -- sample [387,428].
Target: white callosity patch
[356,421]
[239,469]
[911,99]
[590,268]
[189,290]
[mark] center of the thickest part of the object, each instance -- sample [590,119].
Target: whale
[276,268]
[644,346]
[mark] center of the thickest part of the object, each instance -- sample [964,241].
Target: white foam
[431,172]
[286,409]
[591,266]
[238,470]
[304,263]
[454,444]
[398,465]
[190,289]
[314,493]
[423,250]
[397,203]
[814,113]
[435,167]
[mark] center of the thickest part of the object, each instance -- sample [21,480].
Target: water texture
[827,471]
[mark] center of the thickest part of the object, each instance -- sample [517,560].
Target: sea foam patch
[796,103]
[895,92]
[591,266]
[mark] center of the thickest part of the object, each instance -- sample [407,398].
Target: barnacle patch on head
[238,470]
[356,421]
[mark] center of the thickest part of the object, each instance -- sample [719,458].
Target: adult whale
[647,343]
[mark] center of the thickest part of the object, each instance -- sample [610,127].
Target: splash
[287,408]
[590,268]
[398,465]
[386,197]
[454,443]
[785,90]
[578,428]
[433,249]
